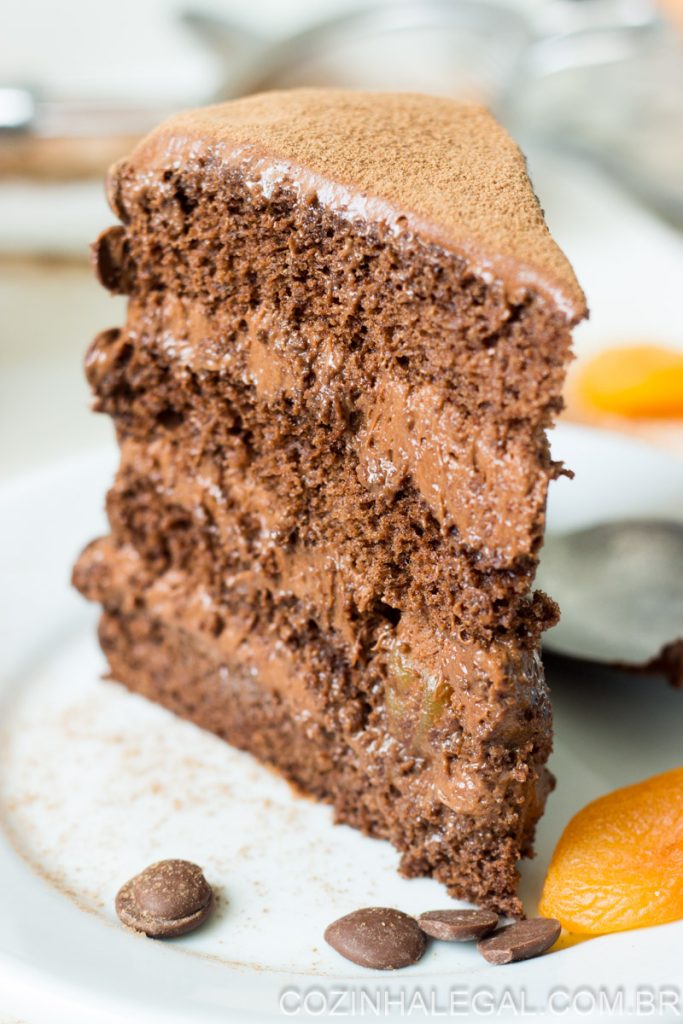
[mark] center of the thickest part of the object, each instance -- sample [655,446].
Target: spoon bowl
[620,588]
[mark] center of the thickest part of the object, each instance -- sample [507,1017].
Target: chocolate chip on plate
[520,941]
[457,925]
[168,898]
[377,937]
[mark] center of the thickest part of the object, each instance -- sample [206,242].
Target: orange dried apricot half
[619,862]
[637,381]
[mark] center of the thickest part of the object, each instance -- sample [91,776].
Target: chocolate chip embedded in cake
[347,334]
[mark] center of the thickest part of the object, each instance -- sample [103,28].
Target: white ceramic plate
[96,783]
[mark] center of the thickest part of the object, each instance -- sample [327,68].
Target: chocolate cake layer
[331,396]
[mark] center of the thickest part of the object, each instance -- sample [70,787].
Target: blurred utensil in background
[23,109]
[66,138]
[465,48]
[610,86]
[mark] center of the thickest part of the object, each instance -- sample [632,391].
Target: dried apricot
[638,381]
[619,862]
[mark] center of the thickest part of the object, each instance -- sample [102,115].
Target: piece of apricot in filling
[619,863]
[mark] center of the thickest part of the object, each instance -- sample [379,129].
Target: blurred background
[591,89]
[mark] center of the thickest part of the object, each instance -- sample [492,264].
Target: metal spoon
[620,588]
[461,47]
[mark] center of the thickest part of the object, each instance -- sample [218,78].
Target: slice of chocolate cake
[347,332]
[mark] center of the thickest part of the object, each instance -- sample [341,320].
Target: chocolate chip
[113,265]
[114,190]
[101,356]
[457,925]
[520,941]
[168,898]
[377,937]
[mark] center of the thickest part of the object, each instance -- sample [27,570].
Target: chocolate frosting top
[443,168]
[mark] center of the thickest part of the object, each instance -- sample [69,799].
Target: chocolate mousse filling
[347,334]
